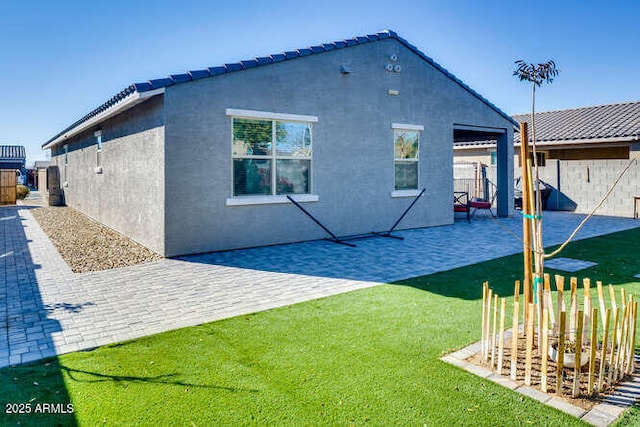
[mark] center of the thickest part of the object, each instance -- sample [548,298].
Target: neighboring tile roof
[601,122]
[12,152]
[613,121]
[174,79]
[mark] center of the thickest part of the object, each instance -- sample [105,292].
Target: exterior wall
[128,196]
[41,181]
[11,164]
[583,183]
[578,185]
[352,167]
[634,151]
[482,155]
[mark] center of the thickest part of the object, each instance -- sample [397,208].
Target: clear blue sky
[60,59]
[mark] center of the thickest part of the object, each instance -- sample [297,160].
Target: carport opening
[484,179]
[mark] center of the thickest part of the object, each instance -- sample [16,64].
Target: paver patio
[49,310]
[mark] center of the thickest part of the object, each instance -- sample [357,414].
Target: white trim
[407,127]
[252,114]
[405,193]
[270,200]
[486,129]
[475,147]
[128,102]
[560,142]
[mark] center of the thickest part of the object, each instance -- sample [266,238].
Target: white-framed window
[406,149]
[272,153]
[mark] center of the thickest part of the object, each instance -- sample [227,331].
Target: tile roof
[174,79]
[612,121]
[8,152]
[599,123]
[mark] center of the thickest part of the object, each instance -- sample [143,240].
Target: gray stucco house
[352,130]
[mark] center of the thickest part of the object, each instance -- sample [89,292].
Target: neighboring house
[13,157]
[40,175]
[12,172]
[582,151]
[353,130]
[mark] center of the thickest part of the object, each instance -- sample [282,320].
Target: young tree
[536,75]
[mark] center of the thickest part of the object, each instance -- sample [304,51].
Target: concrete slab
[599,419]
[478,371]
[565,406]
[568,264]
[504,381]
[534,394]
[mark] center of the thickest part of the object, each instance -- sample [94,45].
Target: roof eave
[137,92]
[474,146]
[125,104]
[560,143]
[587,141]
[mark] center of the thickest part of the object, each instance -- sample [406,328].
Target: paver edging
[602,414]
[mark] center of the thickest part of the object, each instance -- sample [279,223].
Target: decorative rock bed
[86,245]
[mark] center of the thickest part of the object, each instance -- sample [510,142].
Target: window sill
[405,193]
[270,200]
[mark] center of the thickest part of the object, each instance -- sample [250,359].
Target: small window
[98,137]
[494,157]
[271,157]
[65,147]
[406,147]
[541,156]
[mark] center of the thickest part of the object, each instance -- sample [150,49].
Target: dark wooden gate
[7,187]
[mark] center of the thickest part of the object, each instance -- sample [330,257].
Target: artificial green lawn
[366,357]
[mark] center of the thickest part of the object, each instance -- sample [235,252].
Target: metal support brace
[395,224]
[333,238]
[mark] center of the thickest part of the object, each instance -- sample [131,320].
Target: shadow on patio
[422,252]
[26,336]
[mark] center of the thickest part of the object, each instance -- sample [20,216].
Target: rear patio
[50,310]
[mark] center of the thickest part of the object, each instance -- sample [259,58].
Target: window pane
[251,137]
[406,175]
[293,139]
[292,176]
[406,144]
[251,176]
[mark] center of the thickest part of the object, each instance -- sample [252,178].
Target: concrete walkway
[49,310]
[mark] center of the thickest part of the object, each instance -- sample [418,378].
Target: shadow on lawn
[26,335]
[615,255]
[167,379]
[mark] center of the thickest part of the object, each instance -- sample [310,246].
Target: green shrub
[22,191]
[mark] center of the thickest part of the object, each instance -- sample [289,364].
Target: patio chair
[461,203]
[477,204]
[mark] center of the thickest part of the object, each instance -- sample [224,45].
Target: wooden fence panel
[7,187]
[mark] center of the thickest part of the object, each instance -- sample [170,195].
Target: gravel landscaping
[87,245]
